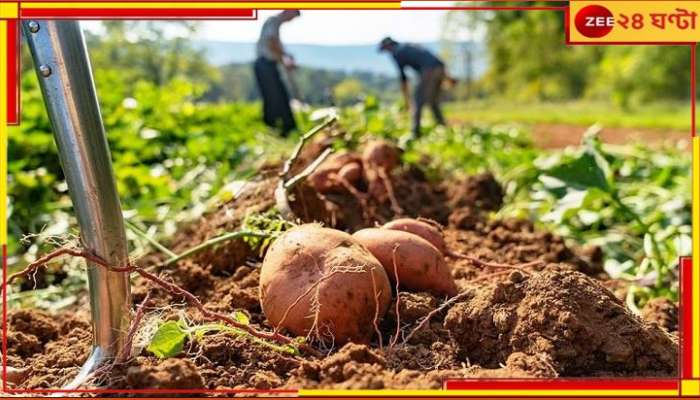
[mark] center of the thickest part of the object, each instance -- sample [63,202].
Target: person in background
[277,111]
[431,73]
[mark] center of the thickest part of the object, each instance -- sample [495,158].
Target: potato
[300,265]
[322,179]
[380,154]
[419,264]
[426,229]
[351,172]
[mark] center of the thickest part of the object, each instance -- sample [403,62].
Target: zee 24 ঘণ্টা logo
[596,21]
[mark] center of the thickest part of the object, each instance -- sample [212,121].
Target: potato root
[379,158]
[322,282]
[428,230]
[419,264]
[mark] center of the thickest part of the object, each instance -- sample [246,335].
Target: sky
[328,27]
[336,27]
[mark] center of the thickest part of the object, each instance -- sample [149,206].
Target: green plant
[170,337]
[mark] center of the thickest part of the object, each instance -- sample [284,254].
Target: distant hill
[346,58]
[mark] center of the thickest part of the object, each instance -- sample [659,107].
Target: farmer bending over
[431,71]
[270,52]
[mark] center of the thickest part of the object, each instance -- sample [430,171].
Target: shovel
[65,77]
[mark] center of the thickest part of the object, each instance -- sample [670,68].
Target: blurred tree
[348,91]
[150,50]
[632,75]
[528,59]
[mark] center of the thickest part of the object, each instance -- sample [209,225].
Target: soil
[558,320]
[555,136]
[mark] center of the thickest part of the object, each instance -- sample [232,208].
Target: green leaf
[241,317]
[168,340]
[583,172]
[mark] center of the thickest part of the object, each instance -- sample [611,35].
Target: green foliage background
[179,148]
[528,59]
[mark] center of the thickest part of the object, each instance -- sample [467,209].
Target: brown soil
[557,321]
[663,312]
[554,136]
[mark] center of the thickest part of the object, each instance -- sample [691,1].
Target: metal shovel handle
[62,65]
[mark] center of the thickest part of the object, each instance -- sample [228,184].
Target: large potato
[427,230]
[306,255]
[419,264]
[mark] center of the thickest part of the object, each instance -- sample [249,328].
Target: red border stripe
[686,320]
[141,13]
[562,384]
[12,94]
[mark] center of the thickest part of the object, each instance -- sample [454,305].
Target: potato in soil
[428,230]
[303,263]
[419,264]
[324,178]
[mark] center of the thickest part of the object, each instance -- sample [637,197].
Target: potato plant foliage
[176,156]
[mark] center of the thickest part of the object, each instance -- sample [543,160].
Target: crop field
[346,256]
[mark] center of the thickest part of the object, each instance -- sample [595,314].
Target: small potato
[428,231]
[322,179]
[381,154]
[351,172]
[420,265]
[299,268]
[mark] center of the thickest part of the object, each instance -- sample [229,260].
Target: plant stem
[308,170]
[656,250]
[213,241]
[302,141]
[149,239]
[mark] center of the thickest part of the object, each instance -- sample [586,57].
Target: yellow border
[209,5]
[690,388]
[9,9]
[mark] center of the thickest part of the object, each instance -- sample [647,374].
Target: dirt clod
[663,312]
[172,373]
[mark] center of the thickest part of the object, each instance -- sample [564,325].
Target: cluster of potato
[329,284]
[348,171]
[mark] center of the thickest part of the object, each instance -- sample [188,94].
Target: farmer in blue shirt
[277,111]
[431,72]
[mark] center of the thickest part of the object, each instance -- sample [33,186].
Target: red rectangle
[138,13]
[686,317]
[561,384]
[12,94]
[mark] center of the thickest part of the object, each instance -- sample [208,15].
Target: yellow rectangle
[9,9]
[636,21]
[690,387]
